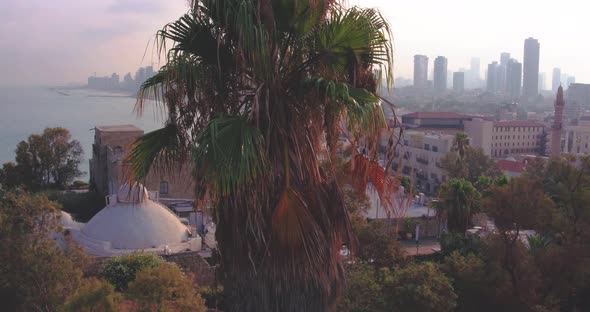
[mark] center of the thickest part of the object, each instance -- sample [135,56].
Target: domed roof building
[132,222]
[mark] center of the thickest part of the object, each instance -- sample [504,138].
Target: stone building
[109,170]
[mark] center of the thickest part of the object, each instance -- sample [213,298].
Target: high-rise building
[577,100]
[504,58]
[474,73]
[501,71]
[420,71]
[440,74]
[513,78]
[542,79]
[530,83]
[492,77]
[458,82]
[556,79]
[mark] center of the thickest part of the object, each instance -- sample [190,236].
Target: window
[435,148]
[427,147]
[406,142]
[164,187]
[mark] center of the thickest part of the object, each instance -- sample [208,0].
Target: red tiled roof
[427,115]
[518,123]
[510,165]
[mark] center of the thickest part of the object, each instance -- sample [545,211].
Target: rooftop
[518,123]
[119,128]
[510,165]
[433,115]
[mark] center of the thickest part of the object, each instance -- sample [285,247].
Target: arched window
[164,187]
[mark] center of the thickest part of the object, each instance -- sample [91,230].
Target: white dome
[67,221]
[136,222]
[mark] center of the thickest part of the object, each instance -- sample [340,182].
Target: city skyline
[117,35]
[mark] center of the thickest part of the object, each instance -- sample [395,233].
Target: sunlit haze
[65,41]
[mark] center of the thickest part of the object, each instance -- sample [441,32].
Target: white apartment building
[421,153]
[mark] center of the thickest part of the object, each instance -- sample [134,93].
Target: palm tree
[461,143]
[251,89]
[457,201]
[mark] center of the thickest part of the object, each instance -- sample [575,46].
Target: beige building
[577,138]
[108,169]
[507,138]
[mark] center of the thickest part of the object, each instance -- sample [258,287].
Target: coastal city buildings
[440,74]
[530,85]
[420,71]
[113,82]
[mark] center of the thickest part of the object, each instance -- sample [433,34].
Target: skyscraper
[458,82]
[474,73]
[420,70]
[556,79]
[513,78]
[440,74]
[542,79]
[492,77]
[504,58]
[530,84]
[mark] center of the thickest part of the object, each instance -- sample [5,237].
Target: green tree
[461,143]
[378,245]
[251,89]
[419,287]
[519,205]
[122,270]
[94,296]
[9,176]
[35,275]
[165,288]
[363,291]
[472,165]
[51,159]
[458,200]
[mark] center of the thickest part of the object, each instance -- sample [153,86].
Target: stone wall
[190,262]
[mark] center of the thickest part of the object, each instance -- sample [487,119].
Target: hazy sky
[64,41]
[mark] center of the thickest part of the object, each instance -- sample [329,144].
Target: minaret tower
[557,126]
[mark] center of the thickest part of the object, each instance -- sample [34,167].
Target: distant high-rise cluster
[113,82]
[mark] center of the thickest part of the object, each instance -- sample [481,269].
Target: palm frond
[230,153]
[160,149]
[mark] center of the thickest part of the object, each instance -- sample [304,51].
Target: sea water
[28,110]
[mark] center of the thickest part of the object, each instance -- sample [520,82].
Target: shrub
[214,298]
[120,271]
[165,288]
[419,287]
[94,296]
